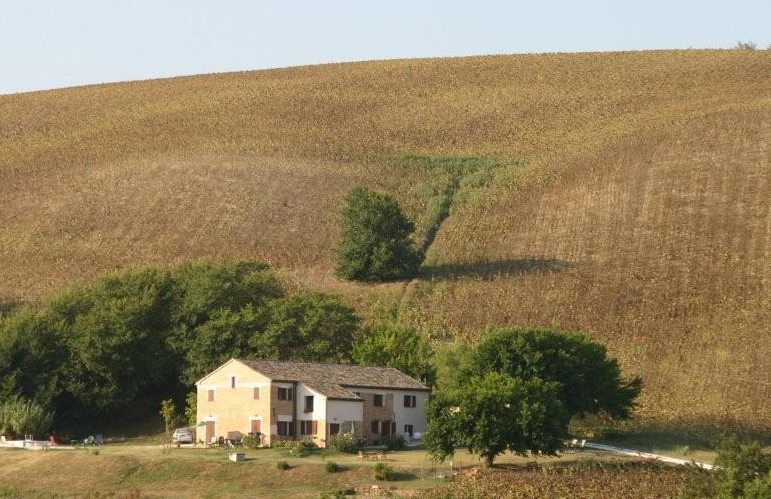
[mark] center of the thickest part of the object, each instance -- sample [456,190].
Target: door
[256,426]
[209,431]
[334,429]
[385,429]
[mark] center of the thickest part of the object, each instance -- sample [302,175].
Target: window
[211,396]
[232,382]
[306,427]
[408,430]
[410,401]
[378,400]
[256,393]
[376,426]
[309,403]
[284,393]
[285,428]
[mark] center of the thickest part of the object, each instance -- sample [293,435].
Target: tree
[495,414]
[191,413]
[20,417]
[589,382]
[313,327]
[168,413]
[117,347]
[400,347]
[743,471]
[376,244]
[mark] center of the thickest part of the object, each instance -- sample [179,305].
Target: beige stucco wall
[232,408]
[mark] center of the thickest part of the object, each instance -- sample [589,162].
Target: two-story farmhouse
[298,400]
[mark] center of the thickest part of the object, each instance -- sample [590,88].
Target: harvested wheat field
[627,195]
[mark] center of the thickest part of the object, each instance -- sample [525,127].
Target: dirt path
[646,455]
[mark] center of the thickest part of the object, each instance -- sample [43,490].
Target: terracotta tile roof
[335,381]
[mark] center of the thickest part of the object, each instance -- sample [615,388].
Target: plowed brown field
[631,197]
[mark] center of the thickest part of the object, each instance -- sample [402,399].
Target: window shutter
[211,396]
[291,428]
[314,427]
[256,393]
[375,427]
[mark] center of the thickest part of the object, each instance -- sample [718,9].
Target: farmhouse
[299,400]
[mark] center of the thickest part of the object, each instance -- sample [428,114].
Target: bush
[344,442]
[282,465]
[298,451]
[743,472]
[338,494]
[19,417]
[375,244]
[251,442]
[750,45]
[383,472]
[395,442]
[332,467]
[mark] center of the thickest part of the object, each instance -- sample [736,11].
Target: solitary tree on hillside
[376,243]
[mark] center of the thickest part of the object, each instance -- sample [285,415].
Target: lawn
[150,471]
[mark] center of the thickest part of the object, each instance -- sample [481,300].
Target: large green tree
[397,346]
[376,243]
[517,390]
[590,382]
[496,413]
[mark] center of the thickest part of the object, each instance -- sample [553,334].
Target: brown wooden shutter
[375,426]
[256,393]
[315,427]
[292,428]
[211,396]
[256,426]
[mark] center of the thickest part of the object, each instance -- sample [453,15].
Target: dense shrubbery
[395,442]
[383,472]
[344,442]
[743,472]
[132,339]
[19,417]
[375,244]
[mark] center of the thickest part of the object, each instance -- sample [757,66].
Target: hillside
[627,195]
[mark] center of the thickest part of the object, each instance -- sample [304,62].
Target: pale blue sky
[58,43]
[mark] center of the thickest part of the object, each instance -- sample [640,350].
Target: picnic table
[374,455]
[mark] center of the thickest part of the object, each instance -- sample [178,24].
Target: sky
[59,43]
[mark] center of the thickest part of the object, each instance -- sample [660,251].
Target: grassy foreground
[148,471]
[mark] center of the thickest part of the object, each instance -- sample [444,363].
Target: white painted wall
[319,404]
[339,411]
[416,416]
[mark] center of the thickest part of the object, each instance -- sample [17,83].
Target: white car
[183,436]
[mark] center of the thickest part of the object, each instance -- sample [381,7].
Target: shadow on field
[492,270]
